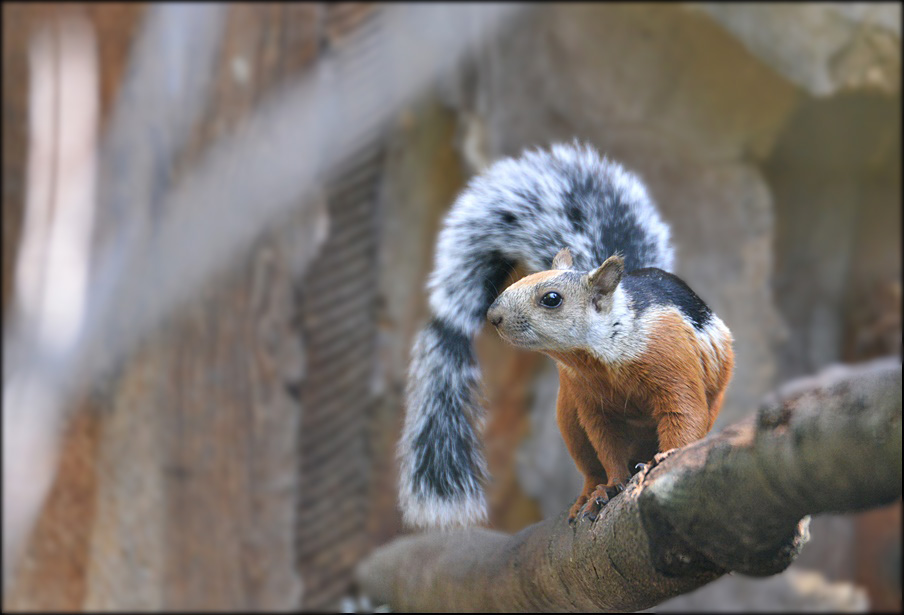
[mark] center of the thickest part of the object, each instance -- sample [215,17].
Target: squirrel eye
[551,300]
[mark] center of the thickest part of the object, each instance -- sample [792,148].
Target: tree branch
[733,501]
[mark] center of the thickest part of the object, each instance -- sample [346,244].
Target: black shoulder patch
[652,286]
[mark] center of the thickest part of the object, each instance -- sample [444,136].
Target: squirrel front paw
[599,498]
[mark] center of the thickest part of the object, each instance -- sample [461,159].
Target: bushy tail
[520,211]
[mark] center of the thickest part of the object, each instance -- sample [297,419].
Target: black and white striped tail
[442,465]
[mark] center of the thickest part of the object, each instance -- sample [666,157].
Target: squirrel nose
[494,315]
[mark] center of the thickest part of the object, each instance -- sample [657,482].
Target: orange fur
[535,278]
[614,416]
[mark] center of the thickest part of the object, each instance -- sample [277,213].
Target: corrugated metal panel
[338,306]
[339,322]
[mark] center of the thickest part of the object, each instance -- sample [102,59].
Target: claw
[640,466]
[660,456]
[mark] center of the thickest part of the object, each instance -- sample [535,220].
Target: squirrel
[643,362]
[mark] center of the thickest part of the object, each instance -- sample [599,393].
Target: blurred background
[239,452]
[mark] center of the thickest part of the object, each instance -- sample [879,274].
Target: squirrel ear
[562,259]
[606,277]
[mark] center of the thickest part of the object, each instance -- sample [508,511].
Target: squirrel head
[562,309]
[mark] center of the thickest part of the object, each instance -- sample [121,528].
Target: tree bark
[734,501]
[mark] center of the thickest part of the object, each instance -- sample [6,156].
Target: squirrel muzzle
[494,314]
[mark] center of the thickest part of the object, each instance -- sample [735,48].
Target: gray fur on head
[519,211]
